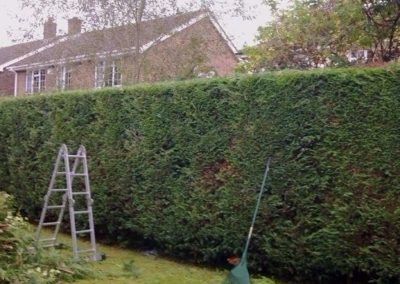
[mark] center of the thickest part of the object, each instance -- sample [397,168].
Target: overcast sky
[241,31]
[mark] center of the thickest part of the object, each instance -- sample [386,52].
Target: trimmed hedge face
[179,165]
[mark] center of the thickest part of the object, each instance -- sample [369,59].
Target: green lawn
[142,269]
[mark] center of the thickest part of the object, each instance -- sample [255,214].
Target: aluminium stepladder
[65,175]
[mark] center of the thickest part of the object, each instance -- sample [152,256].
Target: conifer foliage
[178,165]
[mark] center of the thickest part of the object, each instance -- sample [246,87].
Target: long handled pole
[262,189]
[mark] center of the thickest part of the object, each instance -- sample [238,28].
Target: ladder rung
[80,193]
[83,231]
[50,223]
[86,250]
[72,174]
[55,206]
[78,174]
[82,212]
[76,156]
[47,240]
[58,189]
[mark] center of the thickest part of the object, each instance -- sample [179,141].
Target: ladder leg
[60,217]
[73,229]
[89,203]
[71,203]
[42,216]
[47,196]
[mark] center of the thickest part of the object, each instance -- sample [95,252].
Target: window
[36,81]
[100,74]
[361,54]
[64,78]
[108,74]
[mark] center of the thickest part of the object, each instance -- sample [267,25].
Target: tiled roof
[9,53]
[117,39]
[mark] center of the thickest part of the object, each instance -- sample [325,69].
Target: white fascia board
[78,58]
[172,32]
[47,63]
[115,52]
[34,52]
[223,34]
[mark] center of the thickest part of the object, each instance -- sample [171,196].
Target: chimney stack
[49,29]
[74,26]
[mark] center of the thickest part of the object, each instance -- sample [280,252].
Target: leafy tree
[383,18]
[313,33]
[308,34]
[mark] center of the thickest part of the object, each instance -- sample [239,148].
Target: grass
[123,266]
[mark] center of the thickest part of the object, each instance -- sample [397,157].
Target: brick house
[185,45]
[12,54]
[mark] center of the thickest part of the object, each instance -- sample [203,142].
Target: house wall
[21,87]
[51,79]
[83,75]
[198,49]
[82,78]
[7,83]
[219,54]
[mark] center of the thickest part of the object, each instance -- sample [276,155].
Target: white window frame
[64,78]
[28,82]
[101,76]
[31,75]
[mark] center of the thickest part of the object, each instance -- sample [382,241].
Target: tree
[383,18]
[309,34]
[313,33]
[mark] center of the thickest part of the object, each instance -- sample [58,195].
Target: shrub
[178,165]
[21,262]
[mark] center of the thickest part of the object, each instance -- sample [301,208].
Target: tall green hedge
[178,165]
